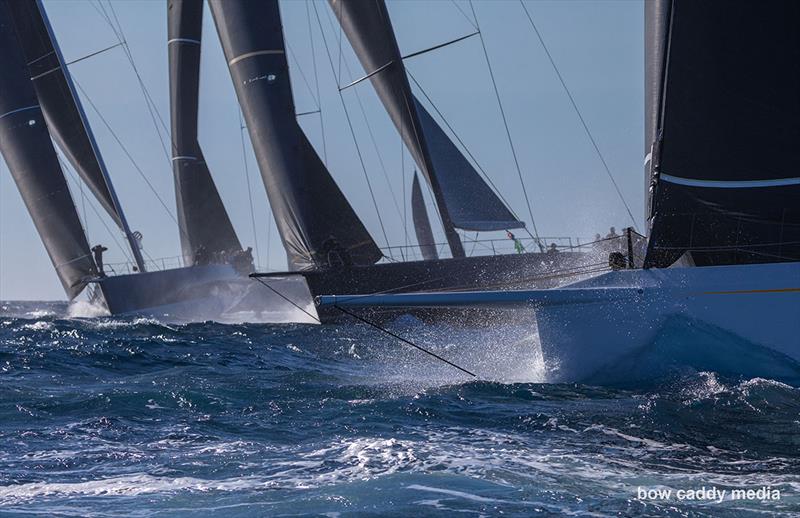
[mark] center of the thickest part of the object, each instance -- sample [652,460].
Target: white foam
[86,309]
[127,485]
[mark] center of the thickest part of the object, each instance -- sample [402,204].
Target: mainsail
[26,146]
[422,225]
[202,219]
[55,97]
[463,198]
[62,109]
[315,220]
[726,186]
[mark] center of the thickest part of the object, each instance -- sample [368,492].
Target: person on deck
[98,258]
[553,249]
[517,243]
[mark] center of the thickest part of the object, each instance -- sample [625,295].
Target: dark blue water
[114,417]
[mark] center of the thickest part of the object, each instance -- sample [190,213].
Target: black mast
[315,220]
[202,217]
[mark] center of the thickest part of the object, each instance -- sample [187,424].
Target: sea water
[134,417]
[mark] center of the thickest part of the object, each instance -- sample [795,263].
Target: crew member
[98,258]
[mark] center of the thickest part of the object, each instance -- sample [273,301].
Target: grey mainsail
[202,218]
[463,198]
[63,111]
[28,151]
[55,97]
[422,225]
[316,223]
[726,188]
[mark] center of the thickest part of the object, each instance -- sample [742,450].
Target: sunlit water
[115,417]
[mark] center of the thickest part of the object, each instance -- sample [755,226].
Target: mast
[28,150]
[726,189]
[132,241]
[318,227]
[202,219]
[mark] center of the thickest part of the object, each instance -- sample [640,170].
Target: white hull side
[738,320]
[213,292]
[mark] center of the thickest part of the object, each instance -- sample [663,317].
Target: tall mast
[132,241]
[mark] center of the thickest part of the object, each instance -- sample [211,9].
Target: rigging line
[409,342]
[249,190]
[352,131]
[466,17]
[305,80]
[578,112]
[439,46]
[463,145]
[405,199]
[316,83]
[287,299]
[155,116]
[93,54]
[505,123]
[72,175]
[125,150]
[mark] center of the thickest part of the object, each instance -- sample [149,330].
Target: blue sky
[597,45]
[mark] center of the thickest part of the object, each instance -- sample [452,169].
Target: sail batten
[28,150]
[204,224]
[464,199]
[725,123]
[317,225]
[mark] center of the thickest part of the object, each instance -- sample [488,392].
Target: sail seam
[729,184]
[252,54]
[19,110]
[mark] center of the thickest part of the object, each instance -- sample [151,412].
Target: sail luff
[31,158]
[203,222]
[726,188]
[317,225]
[422,225]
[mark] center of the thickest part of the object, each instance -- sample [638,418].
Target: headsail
[463,198]
[202,217]
[26,146]
[314,219]
[55,97]
[422,225]
[727,189]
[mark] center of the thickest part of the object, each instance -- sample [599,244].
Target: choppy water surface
[114,417]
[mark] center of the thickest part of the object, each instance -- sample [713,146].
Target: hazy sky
[597,44]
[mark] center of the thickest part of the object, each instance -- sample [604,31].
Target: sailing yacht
[325,241]
[720,286]
[39,105]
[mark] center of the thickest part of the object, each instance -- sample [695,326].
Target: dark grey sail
[62,108]
[28,151]
[55,97]
[202,218]
[422,225]
[726,185]
[456,185]
[317,224]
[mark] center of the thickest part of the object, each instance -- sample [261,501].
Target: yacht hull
[633,326]
[200,293]
[505,272]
